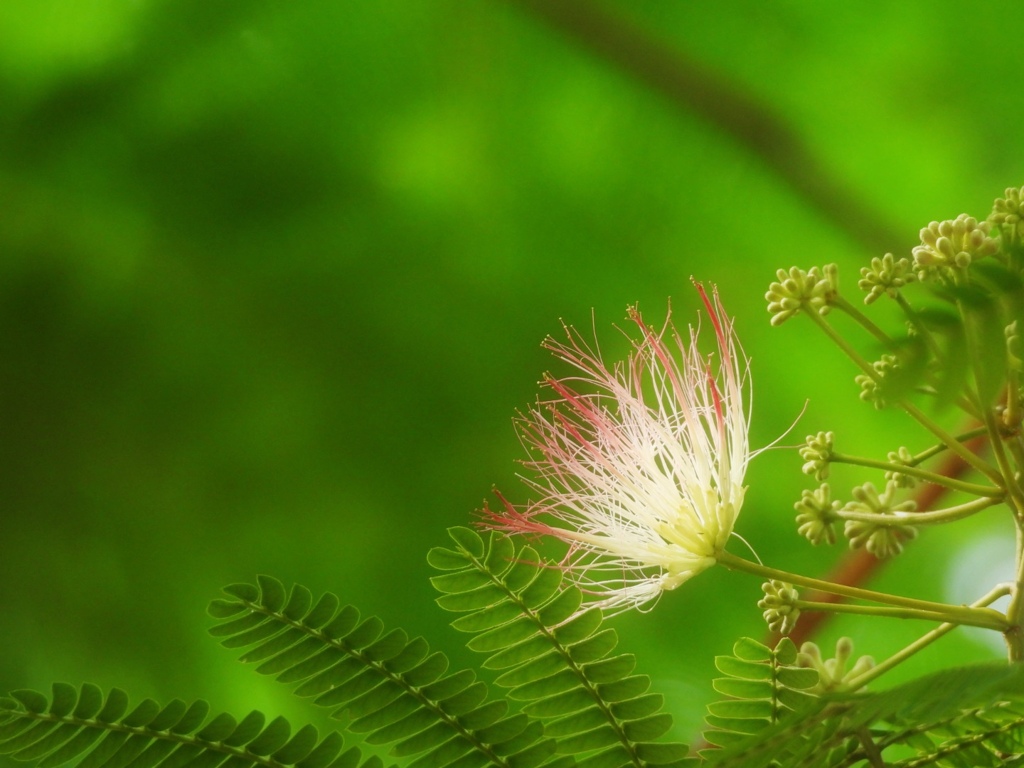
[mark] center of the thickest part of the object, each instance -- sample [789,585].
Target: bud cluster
[780,606]
[813,290]
[961,347]
[816,453]
[885,276]
[834,674]
[1008,216]
[948,248]
[817,515]
[882,529]
[900,458]
[872,387]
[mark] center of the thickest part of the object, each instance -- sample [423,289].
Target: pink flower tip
[638,466]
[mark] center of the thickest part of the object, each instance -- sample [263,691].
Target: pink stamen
[644,490]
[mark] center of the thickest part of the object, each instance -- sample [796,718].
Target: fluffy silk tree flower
[638,467]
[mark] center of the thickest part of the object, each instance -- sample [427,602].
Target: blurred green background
[273,278]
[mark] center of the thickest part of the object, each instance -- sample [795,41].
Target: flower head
[780,606]
[1008,215]
[948,247]
[886,275]
[639,467]
[812,290]
[817,453]
[818,515]
[876,522]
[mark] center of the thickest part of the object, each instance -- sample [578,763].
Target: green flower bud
[813,290]
[816,453]
[1014,353]
[872,388]
[901,457]
[833,673]
[885,275]
[818,515]
[779,606]
[1008,215]
[880,538]
[948,247]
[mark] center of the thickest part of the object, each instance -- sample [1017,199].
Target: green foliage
[551,654]
[969,319]
[82,727]
[762,687]
[393,689]
[964,717]
[579,703]
[570,700]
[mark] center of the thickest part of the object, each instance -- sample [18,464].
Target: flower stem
[969,401]
[1014,614]
[922,642]
[862,319]
[1006,467]
[922,329]
[922,518]
[960,614]
[1012,414]
[985,385]
[850,352]
[932,477]
[1016,450]
[915,413]
[963,437]
[879,610]
[954,445]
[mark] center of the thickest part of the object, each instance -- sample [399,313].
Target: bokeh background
[273,278]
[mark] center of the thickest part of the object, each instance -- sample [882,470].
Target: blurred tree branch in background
[694,87]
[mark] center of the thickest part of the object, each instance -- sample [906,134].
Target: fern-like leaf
[83,728]
[551,654]
[969,716]
[392,689]
[761,687]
